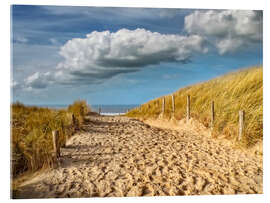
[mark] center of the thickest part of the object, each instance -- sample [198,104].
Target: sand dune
[119,156]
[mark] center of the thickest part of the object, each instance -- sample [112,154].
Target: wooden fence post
[241,124]
[173,107]
[56,146]
[212,114]
[188,108]
[73,120]
[163,105]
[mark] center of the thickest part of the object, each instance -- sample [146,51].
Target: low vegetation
[31,130]
[241,90]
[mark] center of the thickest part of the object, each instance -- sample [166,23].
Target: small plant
[79,109]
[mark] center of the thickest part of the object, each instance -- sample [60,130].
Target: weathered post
[56,146]
[163,105]
[65,135]
[99,110]
[173,107]
[241,124]
[212,114]
[188,108]
[73,120]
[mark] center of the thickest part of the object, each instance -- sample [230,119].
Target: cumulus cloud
[15,84]
[102,55]
[127,49]
[39,80]
[228,30]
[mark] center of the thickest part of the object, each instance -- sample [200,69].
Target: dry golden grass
[31,130]
[241,90]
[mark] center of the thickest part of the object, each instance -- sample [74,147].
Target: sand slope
[119,156]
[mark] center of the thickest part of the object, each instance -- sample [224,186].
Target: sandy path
[118,156]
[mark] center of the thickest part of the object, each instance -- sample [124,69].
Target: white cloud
[16,86]
[228,30]
[39,80]
[126,49]
[20,39]
[102,55]
[14,83]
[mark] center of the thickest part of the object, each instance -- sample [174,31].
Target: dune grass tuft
[240,90]
[31,131]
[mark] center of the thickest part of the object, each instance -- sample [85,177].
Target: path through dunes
[119,156]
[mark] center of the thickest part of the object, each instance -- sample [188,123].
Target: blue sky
[125,55]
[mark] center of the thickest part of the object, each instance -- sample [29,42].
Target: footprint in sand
[125,157]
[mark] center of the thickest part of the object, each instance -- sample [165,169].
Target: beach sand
[116,156]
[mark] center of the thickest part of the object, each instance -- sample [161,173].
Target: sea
[113,109]
[109,110]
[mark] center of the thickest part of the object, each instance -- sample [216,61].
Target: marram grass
[31,130]
[240,90]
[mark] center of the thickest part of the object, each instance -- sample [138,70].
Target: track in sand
[119,156]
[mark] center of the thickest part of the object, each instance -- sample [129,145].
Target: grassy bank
[31,130]
[241,90]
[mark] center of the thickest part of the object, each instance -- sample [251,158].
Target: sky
[125,55]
